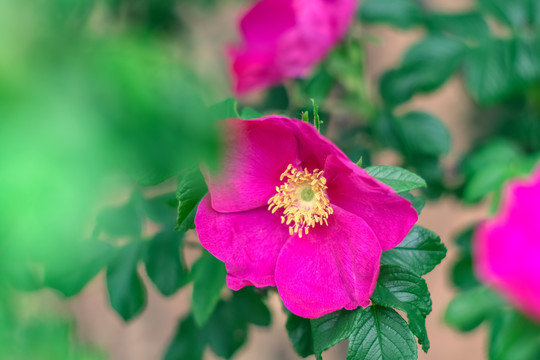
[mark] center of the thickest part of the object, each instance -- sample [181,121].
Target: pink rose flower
[289,209]
[284,38]
[507,247]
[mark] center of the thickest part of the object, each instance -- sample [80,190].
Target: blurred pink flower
[285,38]
[507,247]
[289,209]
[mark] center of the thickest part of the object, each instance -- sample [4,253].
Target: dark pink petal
[333,267]
[342,14]
[313,148]
[265,22]
[507,249]
[389,215]
[257,154]
[307,43]
[320,24]
[253,70]
[288,37]
[247,242]
[253,64]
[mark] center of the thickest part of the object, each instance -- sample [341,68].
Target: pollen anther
[298,212]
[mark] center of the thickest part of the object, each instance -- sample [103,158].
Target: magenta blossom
[289,209]
[283,39]
[507,247]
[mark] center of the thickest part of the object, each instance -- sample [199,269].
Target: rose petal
[258,153]
[320,24]
[342,15]
[252,70]
[307,43]
[389,215]
[265,22]
[247,242]
[286,38]
[313,147]
[254,63]
[507,250]
[333,267]
[506,263]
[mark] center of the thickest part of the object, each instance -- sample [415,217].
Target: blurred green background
[96,97]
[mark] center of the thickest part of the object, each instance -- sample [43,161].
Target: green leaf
[469,309]
[191,189]
[161,209]
[404,290]
[514,13]
[331,329]
[69,14]
[381,334]
[422,133]
[209,276]
[464,239]
[164,264]
[80,263]
[501,67]
[430,169]
[127,293]
[299,330]
[226,330]
[122,220]
[488,167]
[426,66]
[25,277]
[420,251]
[496,151]
[384,128]
[417,202]
[514,337]
[486,180]
[488,71]
[400,13]
[346,64]
[188,342]
[250,306]
[406,286]
[397,178]
[36,334]
[462,274]
[276,100]
[249,113]
[227,109]
[320,84]
[465,25]
[534,13]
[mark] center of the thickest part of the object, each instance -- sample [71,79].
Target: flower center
[307,194]
[303,199]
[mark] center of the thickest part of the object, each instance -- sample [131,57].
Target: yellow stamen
[303,199]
